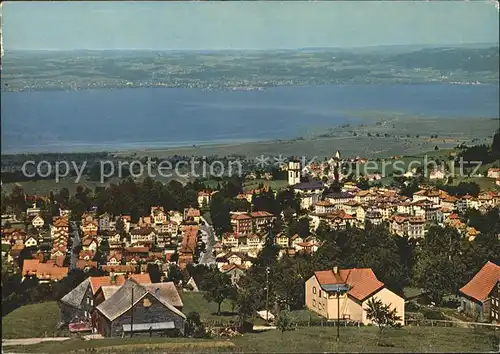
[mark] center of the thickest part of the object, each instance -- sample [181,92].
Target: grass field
[35,320]
[304,339]
[194,302]
[275,184]
[128,345]
[38,320]
[43,187]
[401,140]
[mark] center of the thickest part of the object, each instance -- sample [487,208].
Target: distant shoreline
[401,140]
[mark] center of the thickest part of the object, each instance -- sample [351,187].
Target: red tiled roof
[483,282]
[260,214]
[240,216]
[47,270]
[97,282]
[362,281]
[193,212]
[82,264]
[143,231]
[137,249]
[228,267]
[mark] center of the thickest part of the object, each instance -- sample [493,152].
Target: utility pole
[338,316]
[132,314]
[267,294]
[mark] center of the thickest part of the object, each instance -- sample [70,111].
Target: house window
[320,293]
[91,302]
[314,303]
[314,290]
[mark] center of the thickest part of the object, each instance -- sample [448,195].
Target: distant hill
[56,70]
[467,59]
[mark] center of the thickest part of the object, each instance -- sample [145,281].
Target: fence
[349,323]
[327,323]
[449,323]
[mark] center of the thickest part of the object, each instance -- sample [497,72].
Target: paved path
[263,328]
[75,235]
[208,236]
[29,341]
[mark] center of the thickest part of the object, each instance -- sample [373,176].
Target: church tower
[293,172]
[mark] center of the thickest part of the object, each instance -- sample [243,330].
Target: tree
[382,315]
[285,322]
[440,265]
[174,274]
[120,227]
[495,145]
[194,326]
[327,255]
[154,273]
[364,183]
[218,288]
[247,303]
[303,227]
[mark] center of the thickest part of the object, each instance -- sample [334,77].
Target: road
[29,341]
[208,237]
[75,235]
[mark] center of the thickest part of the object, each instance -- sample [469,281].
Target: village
[136,272]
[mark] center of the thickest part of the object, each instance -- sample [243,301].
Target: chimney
[335,270]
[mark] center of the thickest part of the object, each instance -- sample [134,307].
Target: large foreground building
[361,285]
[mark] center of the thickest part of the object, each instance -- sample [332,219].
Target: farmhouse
[362,285]
[77,305]
[135,308]
[477,295]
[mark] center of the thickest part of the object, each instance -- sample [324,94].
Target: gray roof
[193,284]
[167,292]
[339,195]
[121,301]
[309,185]
[75,297]
[109,290]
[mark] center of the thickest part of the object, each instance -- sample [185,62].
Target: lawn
[410,292]
[34,320]
[304,339]
[274,184]
[483,182]
[194,302]
[353,339]
[128,345]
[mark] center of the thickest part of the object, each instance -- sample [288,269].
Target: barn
[134,307]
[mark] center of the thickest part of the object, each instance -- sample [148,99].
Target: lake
[134,118]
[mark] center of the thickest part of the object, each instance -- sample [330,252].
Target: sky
[245,25]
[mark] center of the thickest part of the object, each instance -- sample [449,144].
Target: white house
[158,215]
[38,222]
[30,242]
[104,221]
